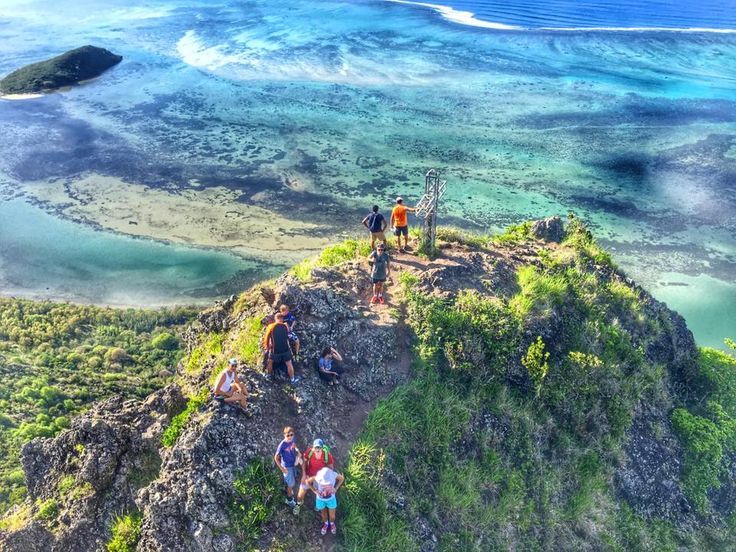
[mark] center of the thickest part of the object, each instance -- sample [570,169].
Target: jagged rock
[69,68]
[550,229]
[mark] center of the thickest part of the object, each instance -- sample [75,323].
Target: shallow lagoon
[314,110]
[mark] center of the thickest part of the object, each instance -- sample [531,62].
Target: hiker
[400,223]
[375,222]
[329,368]
[287,457]
[290,321]
[229,387]
[325,485]
[380,271]
[276,343]
[315,458]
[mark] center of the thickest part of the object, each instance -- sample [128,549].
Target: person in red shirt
[400,222]
[314,459]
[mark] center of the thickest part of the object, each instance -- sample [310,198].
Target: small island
[67,69]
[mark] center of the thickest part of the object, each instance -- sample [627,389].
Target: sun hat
[318,443]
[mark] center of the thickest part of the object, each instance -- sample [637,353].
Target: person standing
[287,457]
[400,222]
[276,343]
[375,222]
[380,271]
[314,459]
[290,321]
[325,485]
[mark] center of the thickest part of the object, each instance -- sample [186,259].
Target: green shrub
[178,422]
[165,341]
[718,369]
[126,532]
[248,342]
[539,292]
[514,234]
[456,235]
[536,362]
[581,240]
[47,510]
[346,251]
[258,491]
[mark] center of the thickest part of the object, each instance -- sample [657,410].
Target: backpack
[327,450]
[371,221]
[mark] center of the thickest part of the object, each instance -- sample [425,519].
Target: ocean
[266,129]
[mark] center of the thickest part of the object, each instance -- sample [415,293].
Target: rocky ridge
[114,452]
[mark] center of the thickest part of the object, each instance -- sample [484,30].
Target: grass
[16,520]
[126,532]
[348,250]
[248,343]
[178,423]
[47,510]
[514,234]
[540,291]
[257,495]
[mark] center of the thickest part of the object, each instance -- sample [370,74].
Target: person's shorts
[378,235]
[293,337]
[321,503]
[290,477]
[281,357]
[378,280]
[401,230]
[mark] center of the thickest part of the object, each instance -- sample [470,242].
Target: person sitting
[229,388]
[290,321]
[276,343]
[329,367]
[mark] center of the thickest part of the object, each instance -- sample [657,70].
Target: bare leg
[323,513]
[332,515]
[290,368]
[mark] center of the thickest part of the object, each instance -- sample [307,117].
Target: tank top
[229,379]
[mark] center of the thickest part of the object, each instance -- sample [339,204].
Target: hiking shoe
[380,299]
[333,529]
[374,300]
[325,527]
[295,380]
[296,509]
[290,503]
[402,250]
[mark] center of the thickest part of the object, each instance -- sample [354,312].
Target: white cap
[233,362]
[399,199]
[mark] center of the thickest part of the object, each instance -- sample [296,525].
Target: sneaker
[402,251]
[290,503]
[295,380]
[333,529]
[380,299]
[296,509]
[325,527]
[374,300]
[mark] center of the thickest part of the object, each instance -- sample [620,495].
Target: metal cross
[434,189]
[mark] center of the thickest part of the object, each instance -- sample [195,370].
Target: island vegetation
[66,69]
[58,358]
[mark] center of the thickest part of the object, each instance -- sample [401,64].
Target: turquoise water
[42,256]
[633,130]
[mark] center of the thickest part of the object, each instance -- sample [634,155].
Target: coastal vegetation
[57,358]
[69,68]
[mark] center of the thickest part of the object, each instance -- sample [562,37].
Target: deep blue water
[535,14]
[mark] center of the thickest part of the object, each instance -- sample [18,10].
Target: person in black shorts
[380,271]
[276,343]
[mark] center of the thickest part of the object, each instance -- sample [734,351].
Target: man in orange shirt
[276,343]
[400,222]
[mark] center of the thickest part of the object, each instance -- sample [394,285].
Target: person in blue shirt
[376,223]
[290,321]
[287,457]
[330,368]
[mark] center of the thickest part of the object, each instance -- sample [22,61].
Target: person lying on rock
[230,387]
[290,321]
[276,343]
[329,368]
[287,457]
[380,271]
[325,485]
[314,459]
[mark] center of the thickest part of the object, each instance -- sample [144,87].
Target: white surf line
[462,17]
[468,18]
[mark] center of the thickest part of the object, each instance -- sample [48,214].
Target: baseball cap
[233,362]
[399,199]
[318,443]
